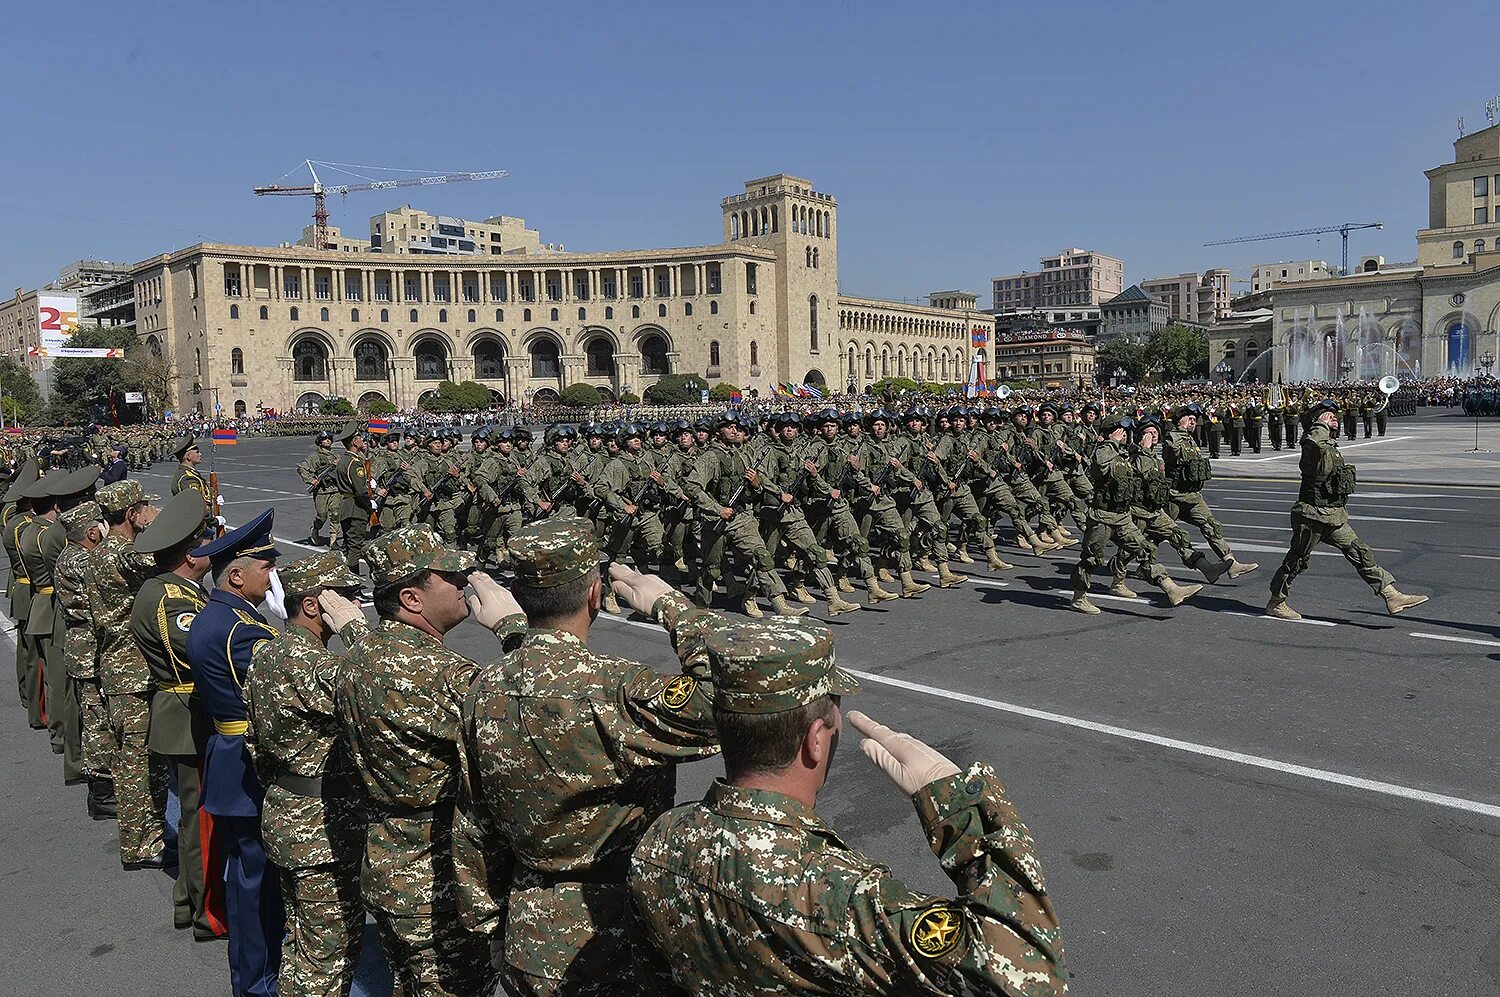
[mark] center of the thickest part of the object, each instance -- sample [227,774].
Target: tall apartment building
[1264,276]
[1463,202]
[408,231]
[1199,298]
[1072,277]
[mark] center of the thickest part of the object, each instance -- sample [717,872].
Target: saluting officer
[185,449]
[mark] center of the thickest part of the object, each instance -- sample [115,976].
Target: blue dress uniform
[220,643]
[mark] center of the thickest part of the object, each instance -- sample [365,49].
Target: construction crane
[1343,230]
[320,191]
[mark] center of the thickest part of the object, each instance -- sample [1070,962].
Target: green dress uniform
[27,676]
[188,479]
[355,500]
[40,543]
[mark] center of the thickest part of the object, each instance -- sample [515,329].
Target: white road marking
[1193,748]
[1262,616]
[1457,640]
[1290,498]
[1482,557]
[1353,519]
[1102,595]
[643,624]
[294,543]
[984,583]
[1274,549]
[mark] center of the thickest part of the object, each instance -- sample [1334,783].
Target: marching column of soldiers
[509,826]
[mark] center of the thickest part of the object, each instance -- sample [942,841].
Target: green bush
[336,406]
[892,387]
[630,398]
[380,406]
[469,396]
[581,395]
[677,389]
[721,392]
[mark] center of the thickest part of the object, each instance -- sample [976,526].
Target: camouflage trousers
[499,526]
[834,526]
[998,499]
[326,510]
[444,521]
[1118,528]
[433,955]
[1031,500]
[1081,485]
[140,778]
[1158,528]
[1190,508]
[1307,534]
[640,537]
[881,522]
[928,530]
[93,721]
[741,537]
[1061,500]
[325,927]
[788,526]
[972,524]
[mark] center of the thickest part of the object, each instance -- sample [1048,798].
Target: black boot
[102,804]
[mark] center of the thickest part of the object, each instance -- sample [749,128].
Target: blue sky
[962,141]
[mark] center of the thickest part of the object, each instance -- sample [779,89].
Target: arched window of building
[443,315]
[583,314]
[370,362]
[654,355]
[385,315]
[413,314]
[322,314]
[869,363]
[809,257]
[265,313]
[812,322]
[713,308]
[1478,245]
[816,261]
[473,316]
[713,353]
[687,308]
[239,408]
[526,315]
[234,311]
[236,361]
[354,315]
[599,354]
[775,220]
[635,311]
[554,314]
[1458,250]
[499,314]
[752,308]
[432,360]
[754,354]
[544,358]
[309,361]
[661,311]
[293,312]
[489,360]
[609,312]
[885,363]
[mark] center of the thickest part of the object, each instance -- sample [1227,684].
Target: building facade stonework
[286,328]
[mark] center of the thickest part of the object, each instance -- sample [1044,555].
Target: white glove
[221,505]
[338,612]
[275,601]
[908,763]
[490,602]
[638,589]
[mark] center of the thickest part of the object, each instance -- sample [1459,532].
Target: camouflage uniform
[715,479]
[86,719]
[1187,472]
[400,708]
[312,820]
[318,471]
[1109,520]
[118,570]
[574,754]
[749,892]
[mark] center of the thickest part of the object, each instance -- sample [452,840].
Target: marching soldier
[502,490]
[876,486]
[355,498]
[1148,508]
[1367,412]
[319,472]
[1291,420]
[164,609]
[722,885]
[831,469]
[1110,521]
[185,449]
[1350,415]
[1321,515]
[1187,472]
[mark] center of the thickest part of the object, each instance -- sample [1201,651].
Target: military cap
[1112,422]
[403,552]
[554,552]
[253,539]
[768,667]
[117,496]
[321,571]
[180,519]
[347,432]
[183,444]
[79,481]
[49,485]
[83,512]
[24,479]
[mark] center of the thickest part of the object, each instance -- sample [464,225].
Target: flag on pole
[812,392]
[379,427]
[226,437]
[14,431]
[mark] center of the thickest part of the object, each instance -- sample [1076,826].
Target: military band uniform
[28,678]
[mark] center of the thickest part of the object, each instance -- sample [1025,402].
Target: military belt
[610,869]
[182,687]
[231,728]
[406,813]
[301,785]
[44,590]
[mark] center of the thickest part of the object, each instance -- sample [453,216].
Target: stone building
[1463,202]
[1264,276]
[1072,277]
[287,327]
[1055,357]
[1195,298]
[1133,315]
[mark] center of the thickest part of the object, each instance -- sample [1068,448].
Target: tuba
[1003,392]
[1390,384]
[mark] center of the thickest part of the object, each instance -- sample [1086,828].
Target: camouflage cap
[772,667]
[83,512]
[117,496]
[554,552]
[403,552]
[321,571]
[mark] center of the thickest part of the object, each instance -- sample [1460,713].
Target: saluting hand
[639,590]
[489,601]
[909,763]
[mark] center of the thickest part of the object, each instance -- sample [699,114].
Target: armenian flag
[14,431]
[379,427]
[226,437]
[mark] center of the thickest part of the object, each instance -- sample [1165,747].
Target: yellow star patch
[936,932]
[676,693]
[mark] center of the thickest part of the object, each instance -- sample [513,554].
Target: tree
[581,395]
[1121,354]
[629,398]
[469,396]
[721,392]
[336,406]
[379,406]
[677,389]
[1178,352]
[22,399]
[149,373]
[81,387]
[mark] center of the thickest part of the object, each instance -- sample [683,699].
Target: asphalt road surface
[1223,803]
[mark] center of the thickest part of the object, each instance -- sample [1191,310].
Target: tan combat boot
[838,605]
[844,584]
[876,593]
[751,608]
[781,607]
[611,604]
[947,579]
[1041,545]
[803,596]
[1058,537]
[1238,568]
[1214,570]
[910,586]
[1062,531]
[1122,590]
[1081,603]
[1178,594]
[1281,611]
[885,575]
[1397,601]
[996,562]
[680,565]
[925,564]
[962,556]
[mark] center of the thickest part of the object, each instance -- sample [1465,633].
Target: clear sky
[962,141]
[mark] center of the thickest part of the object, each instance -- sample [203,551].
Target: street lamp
[1223,370]
[1118,375]
[1346,367]
[1486,360]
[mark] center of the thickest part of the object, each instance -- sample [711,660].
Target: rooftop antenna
[1461,132]
[1491,107]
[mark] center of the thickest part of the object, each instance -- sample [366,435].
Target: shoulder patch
[937,931]
[676,693]
[184,620]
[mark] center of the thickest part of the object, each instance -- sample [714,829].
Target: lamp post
[1486,360]
[1118,375]
[1346,367]
[1223,370]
